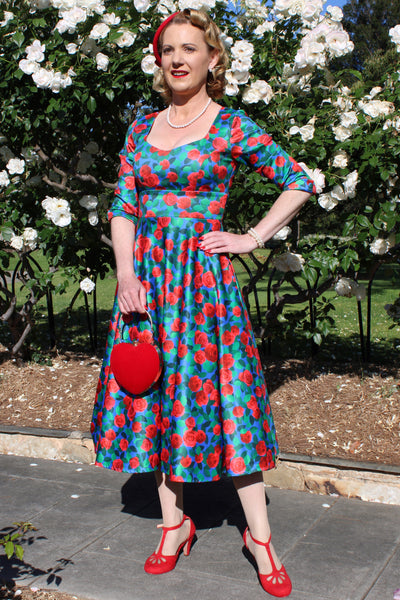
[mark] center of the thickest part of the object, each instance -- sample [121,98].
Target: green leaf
[18,38]
[110,95]
[91,104]
[9,549]
[19,552]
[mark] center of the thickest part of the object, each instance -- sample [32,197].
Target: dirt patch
[340,411]
[11,591]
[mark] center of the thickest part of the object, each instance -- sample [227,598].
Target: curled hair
[216,81]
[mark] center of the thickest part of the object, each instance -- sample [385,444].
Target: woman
[210,414]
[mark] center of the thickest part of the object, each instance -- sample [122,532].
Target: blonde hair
[216,81]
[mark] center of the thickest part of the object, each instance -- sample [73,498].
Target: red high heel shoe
[277,583]
[159,563]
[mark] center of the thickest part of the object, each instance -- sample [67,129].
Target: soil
[335,411]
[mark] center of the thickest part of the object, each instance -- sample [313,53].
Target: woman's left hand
[221,242]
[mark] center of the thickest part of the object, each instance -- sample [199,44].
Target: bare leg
[250,489]
[171,500]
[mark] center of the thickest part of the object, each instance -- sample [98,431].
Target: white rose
[338,43]
[310,10]
[102,61]
[266,26]
[71,48]
[99,31]
[283,233]
[344,287]
[335,13]
[28,66]
[379,246]
[111,19]
[43,78]
[342,133]
[93,218]
[288,262]
[126,39]
[142,5]
[74,16]
[87,285]
[340,159]
[89,202]
[148,65]
[338,193]
[350,184]
[241,65]
[316,175]
[327,202]
[57,211]
[377,108]
[310,54]
[251,95]
[35,51]
[8,16]
[348,119]
[15,166]
[29,236]
[242,49]
[240,77]
[92,6]
[394,34]
[17,242]
[4,179]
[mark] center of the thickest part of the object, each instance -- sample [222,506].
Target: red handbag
[136,364]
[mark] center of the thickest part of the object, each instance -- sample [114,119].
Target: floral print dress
[209,415]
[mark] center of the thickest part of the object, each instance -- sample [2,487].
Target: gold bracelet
[253,233]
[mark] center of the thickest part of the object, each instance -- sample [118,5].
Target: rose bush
[75,72]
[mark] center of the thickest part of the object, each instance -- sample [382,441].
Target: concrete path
[96,527]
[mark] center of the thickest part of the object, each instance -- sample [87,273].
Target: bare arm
[280,214]
[131,293]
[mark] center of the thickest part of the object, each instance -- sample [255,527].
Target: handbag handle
[146,312]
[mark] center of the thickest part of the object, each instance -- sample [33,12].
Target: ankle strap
[257,542]
[175,526]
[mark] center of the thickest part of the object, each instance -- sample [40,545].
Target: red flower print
[164,455]
[189,438]
[244,338]
[211,352]
[134,462]
[130,182]
[119,420]
[209,279]
[139,404]
[208,386]
[110,435]
[209,309]
[151,431]
[170,199]
[105,443]
[157,254]
[149,179]
[156,272]
[186,461]
[220,310]
[109,402]
[225,375]
[199,458]
[200,319]
[168,346]
[220,144]
[212,460]
[201,436]
[238,411]
[246,437]
[229,451]
[175,324]
[177,409]
[198,297]
[136,427]
[184,202]
[182,350]
[187,278]
[169,245]
[229,426]
[227,389]
[246,377]
[280,161]
[176,440]
[146,445]
[214,207]
[144,243]
[217,430]
[238,465]
[227,361]
[190,423]
[164,164]
[195,383]
[199,357]
[266,426]
[117,465]
[201,398]
[268,172]
[261,448]
[227,338]
[199,227]
[172,177]
[154,461]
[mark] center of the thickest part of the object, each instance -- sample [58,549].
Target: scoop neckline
[155,115]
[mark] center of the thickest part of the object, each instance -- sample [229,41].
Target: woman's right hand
[132,295]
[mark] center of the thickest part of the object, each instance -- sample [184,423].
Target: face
[186,58]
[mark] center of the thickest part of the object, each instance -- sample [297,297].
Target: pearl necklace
[191,121]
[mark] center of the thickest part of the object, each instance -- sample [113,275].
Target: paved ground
[96,527]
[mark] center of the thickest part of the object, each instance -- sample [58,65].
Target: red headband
[157,35]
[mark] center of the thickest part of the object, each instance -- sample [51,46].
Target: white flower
[87,285]
[89,202]
[340,159]
[377,108]
[142,5]
[30,236]
[306,131]
[258,90]
[342,133]
[8,16]
[28,66]
[4,179]
[126,38]
[17,242]
[93,218]
[35,51]
[327,201]
[70,19]
[335,13]
[71,48]
[316,175]
[57,211]
[350,184]
[102,61]
[339,43]
[266,26]
[242,49]
[338,193]
[15,166]
[288,262]
[231,88]
[348,288]
[43,78]
[111,19]
[348,119]
[148,64]
[310,54]
[379,246]
[283,233]
[394,34]
[99,31]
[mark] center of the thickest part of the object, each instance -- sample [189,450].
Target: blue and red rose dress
[210,415]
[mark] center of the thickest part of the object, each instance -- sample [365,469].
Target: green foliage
[11,541]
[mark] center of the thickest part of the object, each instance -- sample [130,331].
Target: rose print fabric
[209,415]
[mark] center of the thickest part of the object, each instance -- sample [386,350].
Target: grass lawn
[342,343]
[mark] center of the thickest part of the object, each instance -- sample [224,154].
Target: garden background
[324,294]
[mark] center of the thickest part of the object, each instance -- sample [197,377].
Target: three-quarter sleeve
[252,146]
[126,199]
